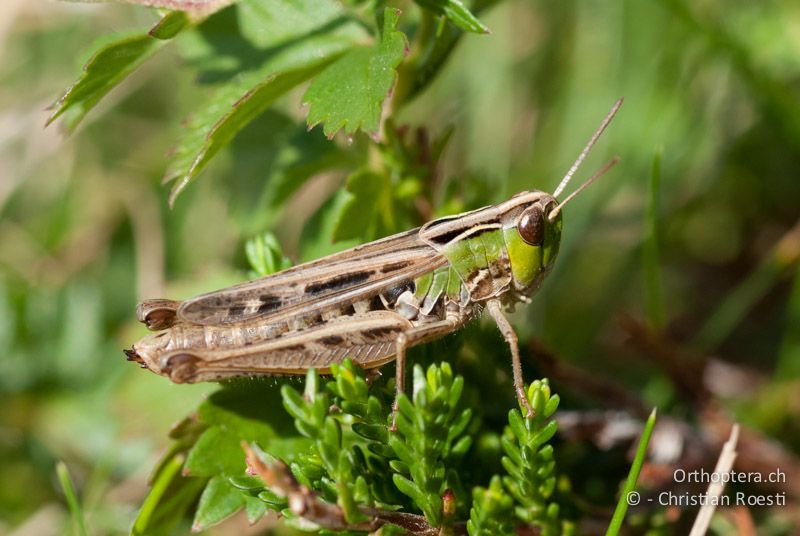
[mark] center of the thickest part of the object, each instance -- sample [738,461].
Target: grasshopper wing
[335,281]
[368,339]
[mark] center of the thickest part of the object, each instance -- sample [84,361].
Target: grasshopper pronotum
[370,302]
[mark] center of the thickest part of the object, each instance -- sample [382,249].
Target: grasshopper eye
[531,226]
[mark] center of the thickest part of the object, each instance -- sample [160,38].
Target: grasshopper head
[532,234]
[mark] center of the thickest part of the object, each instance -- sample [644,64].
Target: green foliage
[529,462]
[171,495]
[318,39]
[200,145]
[457,13]
[362,204]
[424,454]
[492,511]
[349,93]
[72,499]
[314,35]
[209,454]
[329,467]
[265,256]
[630,484]
[430,441]
[345,452]
[110,65]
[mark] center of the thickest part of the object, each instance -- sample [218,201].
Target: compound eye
[531,226]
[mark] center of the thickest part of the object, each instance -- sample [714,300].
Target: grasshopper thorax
[503,250]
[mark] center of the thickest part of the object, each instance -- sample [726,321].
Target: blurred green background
[711,266]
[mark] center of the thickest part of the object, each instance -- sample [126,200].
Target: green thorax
[488,263]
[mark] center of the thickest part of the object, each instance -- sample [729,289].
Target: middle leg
[414,336]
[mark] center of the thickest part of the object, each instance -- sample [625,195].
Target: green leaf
[110,65]
[364,190]
[170,26]
[375,432]
[544,435]
[551,406]
[277,45]
[232,417]
[217,452]
[491,512]
[348,94]
[219,501]
[170,497]
[457,13]
[272,500]
[461,447]
[246,482]
[293,402]
[517,424]
[72,499]
[255,509]
[201,144]
[265,255]
[407,487]
[232,408]
[633,475]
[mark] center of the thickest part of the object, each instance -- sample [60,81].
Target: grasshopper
[371,302]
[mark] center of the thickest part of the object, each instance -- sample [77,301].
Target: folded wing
[333,281]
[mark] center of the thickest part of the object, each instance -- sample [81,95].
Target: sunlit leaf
[265,255]
[226,120]
[110,65]
[348,94]
[282,44]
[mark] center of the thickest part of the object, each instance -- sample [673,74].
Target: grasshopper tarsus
[371,376]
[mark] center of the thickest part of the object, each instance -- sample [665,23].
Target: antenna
[597,174]
[592,141]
